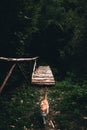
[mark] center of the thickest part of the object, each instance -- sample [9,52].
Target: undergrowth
[68,107]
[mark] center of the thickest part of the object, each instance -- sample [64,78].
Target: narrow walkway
[43,76]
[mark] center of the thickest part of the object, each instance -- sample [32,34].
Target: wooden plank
[40,83]
[43,76]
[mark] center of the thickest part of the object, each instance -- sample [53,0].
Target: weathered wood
[7,77]
[18,59]
[43,76]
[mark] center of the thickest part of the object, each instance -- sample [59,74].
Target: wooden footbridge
[41,75]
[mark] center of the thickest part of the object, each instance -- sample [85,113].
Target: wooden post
[7,77]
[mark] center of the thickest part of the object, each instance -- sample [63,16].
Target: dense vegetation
[68,107]
[54,30]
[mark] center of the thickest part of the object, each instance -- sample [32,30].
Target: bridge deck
[43,76]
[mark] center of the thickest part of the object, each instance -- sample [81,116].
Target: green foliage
[71,101]
[28,15]
[67,100]
[18,110]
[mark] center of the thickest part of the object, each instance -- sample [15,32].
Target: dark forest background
[54,30]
